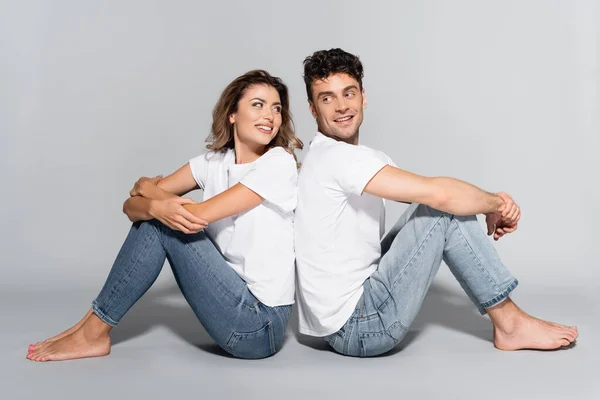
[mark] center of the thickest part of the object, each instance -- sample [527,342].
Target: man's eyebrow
[327,93]
[330,93]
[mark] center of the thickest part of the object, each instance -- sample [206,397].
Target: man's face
[337,105]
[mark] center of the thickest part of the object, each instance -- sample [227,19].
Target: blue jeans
[232,316]
[412,253]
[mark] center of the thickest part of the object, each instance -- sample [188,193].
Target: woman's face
[258,116]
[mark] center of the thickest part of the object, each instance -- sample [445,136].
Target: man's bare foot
[90,340]
[65,333]
[514,330]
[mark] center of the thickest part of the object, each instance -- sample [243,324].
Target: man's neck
[350,140]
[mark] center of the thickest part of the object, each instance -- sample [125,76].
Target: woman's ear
[232,119]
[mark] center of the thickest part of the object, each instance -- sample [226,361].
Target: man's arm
[445,194]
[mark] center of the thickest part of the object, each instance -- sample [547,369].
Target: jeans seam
[474,254]
[347,335]
[223,289]
[102,315]
[271,338]
[408,264]
[115,289]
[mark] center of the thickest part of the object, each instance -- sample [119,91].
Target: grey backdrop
[95,94]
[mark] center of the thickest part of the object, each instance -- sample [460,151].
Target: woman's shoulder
[217,156]
[277,162]
[277,155]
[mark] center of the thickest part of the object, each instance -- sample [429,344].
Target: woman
[232,254]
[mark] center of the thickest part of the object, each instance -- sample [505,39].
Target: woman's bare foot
[63,334]
[514,330]
[90,340]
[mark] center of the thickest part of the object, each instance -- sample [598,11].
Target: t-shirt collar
[319,138]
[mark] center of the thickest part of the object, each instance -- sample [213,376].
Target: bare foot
[514,330]
[90,340]
[63,334]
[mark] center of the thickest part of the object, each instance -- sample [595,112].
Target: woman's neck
[245,153]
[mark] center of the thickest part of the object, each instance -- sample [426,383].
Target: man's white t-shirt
[338,231]
[258,243]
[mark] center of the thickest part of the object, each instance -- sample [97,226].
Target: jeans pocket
[376,343]
[257,344]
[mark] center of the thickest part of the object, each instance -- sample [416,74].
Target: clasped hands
[505,220]
[167,207]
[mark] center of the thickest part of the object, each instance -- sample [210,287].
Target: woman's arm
[158,198]
[234,200]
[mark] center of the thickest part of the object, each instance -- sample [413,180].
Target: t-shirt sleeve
[199,168]
[274,178]
[355,166]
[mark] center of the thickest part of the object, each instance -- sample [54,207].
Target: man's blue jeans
[412,253]
[229,312]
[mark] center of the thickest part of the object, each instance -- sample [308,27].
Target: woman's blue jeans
[232,316]
[412,253]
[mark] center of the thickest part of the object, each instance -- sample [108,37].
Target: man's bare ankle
[505,316]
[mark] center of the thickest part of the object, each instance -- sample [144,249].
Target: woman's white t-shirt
[258,243]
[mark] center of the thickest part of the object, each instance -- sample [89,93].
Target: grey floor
[161,351]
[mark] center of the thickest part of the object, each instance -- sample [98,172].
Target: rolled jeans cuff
[102,315]
[499,298]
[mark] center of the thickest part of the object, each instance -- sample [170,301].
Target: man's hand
[141,183]
[505,220]
[172,213]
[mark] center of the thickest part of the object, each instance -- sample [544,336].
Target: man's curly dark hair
[324,63]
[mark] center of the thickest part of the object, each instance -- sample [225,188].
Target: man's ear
[364,99]
[313,111]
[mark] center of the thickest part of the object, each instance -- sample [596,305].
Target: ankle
[505,316]
[94,328]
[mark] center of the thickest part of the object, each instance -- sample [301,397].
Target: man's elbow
[439,199]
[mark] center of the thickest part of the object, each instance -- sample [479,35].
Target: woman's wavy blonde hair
[221,135]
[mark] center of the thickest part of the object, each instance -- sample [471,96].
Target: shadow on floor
[166,307]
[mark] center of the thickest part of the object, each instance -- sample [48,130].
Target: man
[362,293]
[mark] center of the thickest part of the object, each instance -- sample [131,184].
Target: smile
[344,119]
[265,128]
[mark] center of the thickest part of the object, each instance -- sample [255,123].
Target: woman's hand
[172,213]
[142,185]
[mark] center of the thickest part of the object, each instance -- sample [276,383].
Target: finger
[192,218]
[490,227]
[185,200]
[189,225]
[180,227]
[192,227]
[509,207]
[510,230]
[513,213]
